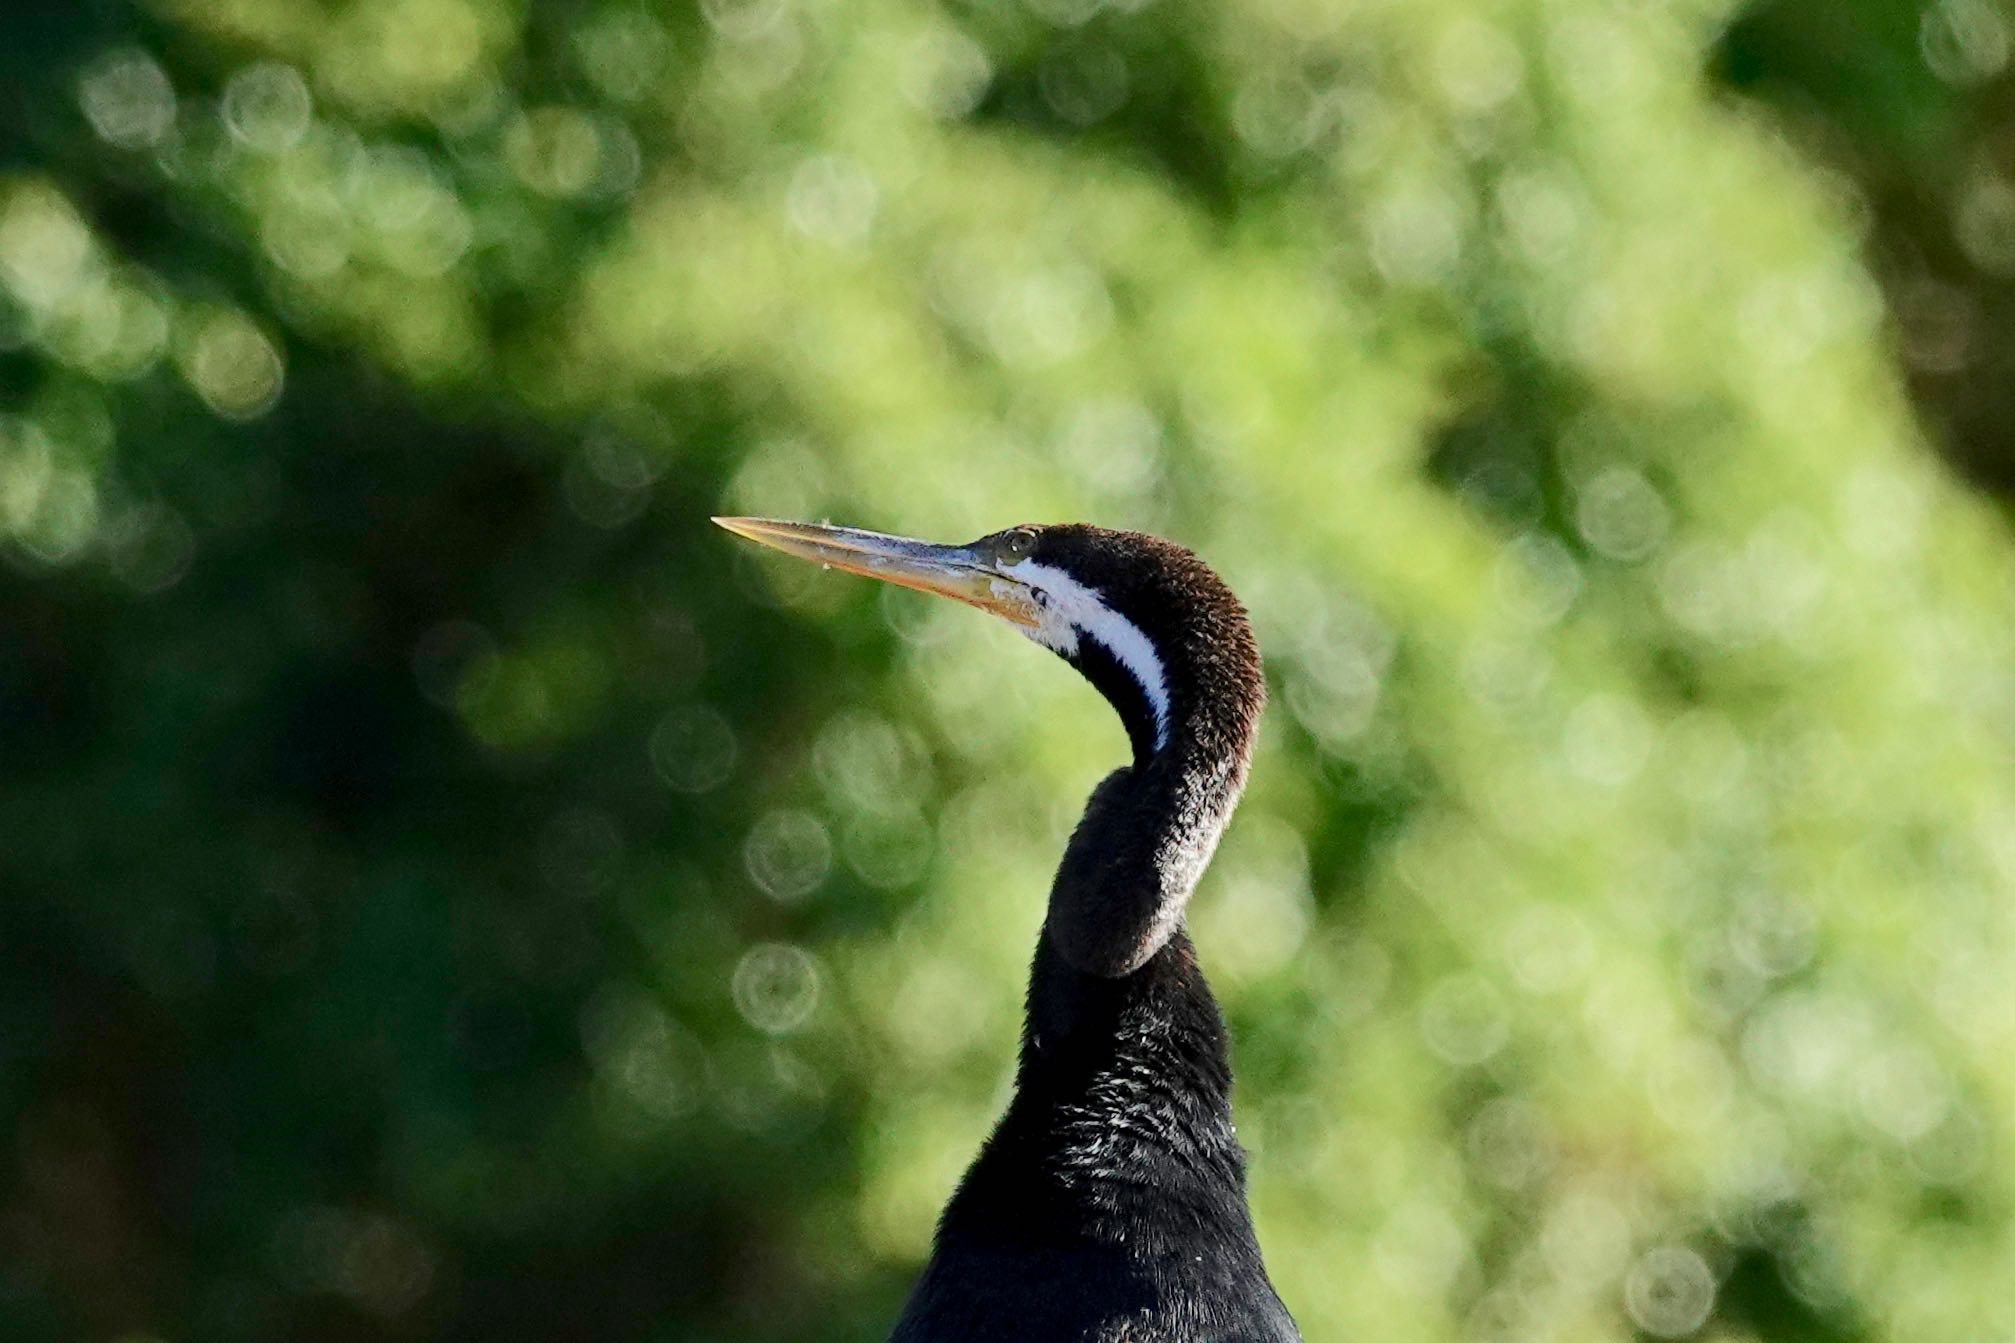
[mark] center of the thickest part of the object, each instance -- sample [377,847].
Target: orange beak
[959,572]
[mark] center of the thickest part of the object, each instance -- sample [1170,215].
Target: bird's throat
[1137,854]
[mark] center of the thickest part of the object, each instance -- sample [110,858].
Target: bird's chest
[1093,1294]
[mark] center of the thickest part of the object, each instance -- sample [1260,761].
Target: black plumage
[1109,1204]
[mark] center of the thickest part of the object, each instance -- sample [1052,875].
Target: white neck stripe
[1072,610]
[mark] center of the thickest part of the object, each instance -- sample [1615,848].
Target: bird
[1109,1203]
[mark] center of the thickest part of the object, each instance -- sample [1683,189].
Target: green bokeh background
[450,891]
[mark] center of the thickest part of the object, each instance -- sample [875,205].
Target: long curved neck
[1117,1166]
[1150,829]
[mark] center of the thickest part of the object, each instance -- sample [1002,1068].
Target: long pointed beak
[964,573]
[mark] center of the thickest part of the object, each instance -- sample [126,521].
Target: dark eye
[1018,543]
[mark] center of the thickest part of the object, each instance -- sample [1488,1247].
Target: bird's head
[1168,645]
[1142,619]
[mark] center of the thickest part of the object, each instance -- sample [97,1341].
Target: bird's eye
[1018,543]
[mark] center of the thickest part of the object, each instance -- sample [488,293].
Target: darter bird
[1109,1204]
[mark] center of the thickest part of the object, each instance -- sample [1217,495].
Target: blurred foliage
[453,892]
[1913,103]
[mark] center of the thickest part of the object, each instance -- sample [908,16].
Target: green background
[450,891]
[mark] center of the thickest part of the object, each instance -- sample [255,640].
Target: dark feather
[1109,1205]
